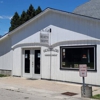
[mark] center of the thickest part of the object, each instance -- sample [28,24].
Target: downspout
[50,53]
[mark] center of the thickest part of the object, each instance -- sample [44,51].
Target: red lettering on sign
[83,70]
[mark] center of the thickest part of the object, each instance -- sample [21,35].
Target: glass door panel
[37,62]
[27,61]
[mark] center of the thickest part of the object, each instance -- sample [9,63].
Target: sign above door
[44,35]
[44,38]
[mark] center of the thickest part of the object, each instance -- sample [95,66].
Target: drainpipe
[50,52]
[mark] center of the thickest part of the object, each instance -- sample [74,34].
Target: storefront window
[71,57]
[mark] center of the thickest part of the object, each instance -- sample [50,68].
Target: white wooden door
[27,63]
[31,63]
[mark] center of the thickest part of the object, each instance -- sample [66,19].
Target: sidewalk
[52,89]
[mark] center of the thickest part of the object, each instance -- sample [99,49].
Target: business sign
[54,50]
[83,70]
[44,35]
[44,38]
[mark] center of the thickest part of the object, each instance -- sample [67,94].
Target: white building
[74,39]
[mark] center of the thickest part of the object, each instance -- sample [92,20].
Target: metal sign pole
[83,74]
[45,38]
[50,52]
[83,86]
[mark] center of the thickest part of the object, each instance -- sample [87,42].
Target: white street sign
[83,70]
[44,38]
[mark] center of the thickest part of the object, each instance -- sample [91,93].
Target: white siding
[5,54]
[17,62]
[76,24]
[65,28]
[31,33]
[45,64]
[72,75]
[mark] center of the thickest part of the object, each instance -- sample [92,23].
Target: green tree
[24,17]
[38,10]
[30,12]
[15,21]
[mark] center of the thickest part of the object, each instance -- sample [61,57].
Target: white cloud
[6,17]
[5,32]
[10,17]
[1,17]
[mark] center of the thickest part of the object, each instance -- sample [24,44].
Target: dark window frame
[80,46]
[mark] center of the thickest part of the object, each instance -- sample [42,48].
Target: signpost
[45,38]
[83,73]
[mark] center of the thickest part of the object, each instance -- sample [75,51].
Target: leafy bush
[1,75]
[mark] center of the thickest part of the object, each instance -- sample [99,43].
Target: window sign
[76,65]
[26,56]
[38,55]
[63,50]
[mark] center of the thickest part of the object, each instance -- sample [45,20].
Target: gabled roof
[44,12]
[91,8]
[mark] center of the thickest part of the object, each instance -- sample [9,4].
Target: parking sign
[83,70]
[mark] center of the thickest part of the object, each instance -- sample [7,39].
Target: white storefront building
[69,40]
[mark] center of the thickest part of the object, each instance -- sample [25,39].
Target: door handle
[32,63]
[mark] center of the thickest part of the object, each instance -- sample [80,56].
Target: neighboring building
[73,40]
[91,8]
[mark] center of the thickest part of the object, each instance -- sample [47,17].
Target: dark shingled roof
[90,8]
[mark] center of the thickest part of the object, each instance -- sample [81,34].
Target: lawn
[97,96]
